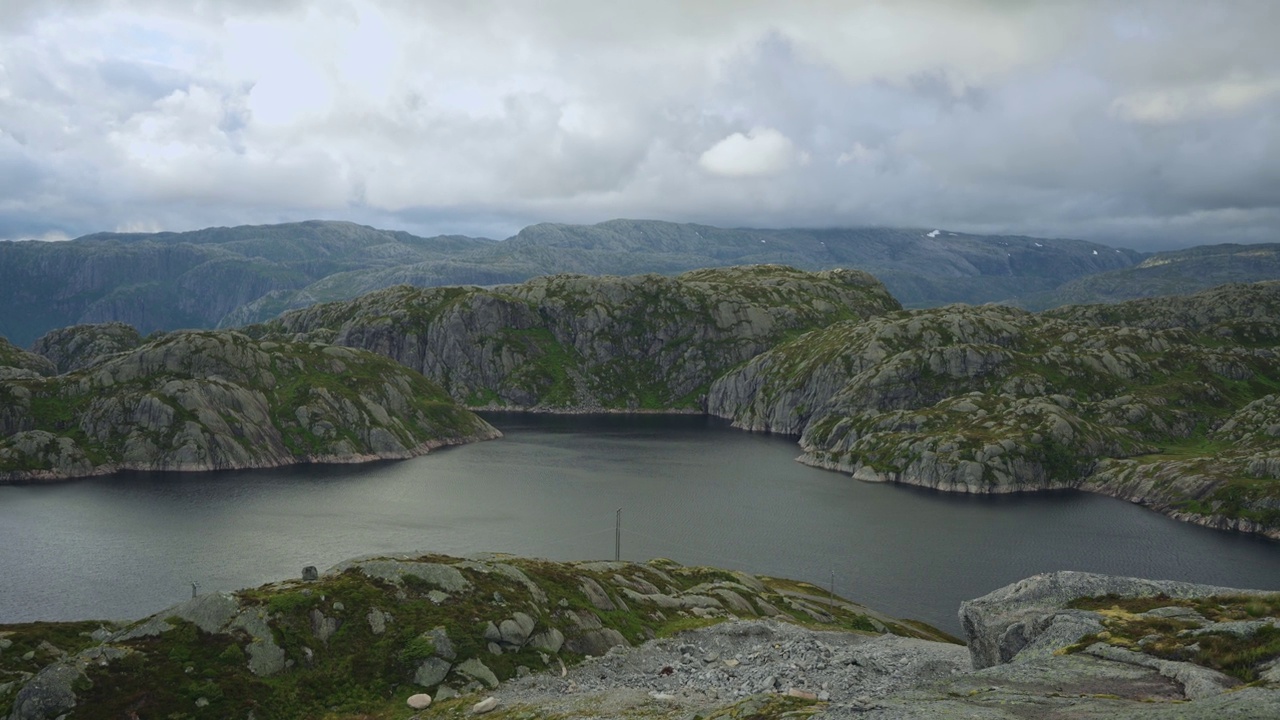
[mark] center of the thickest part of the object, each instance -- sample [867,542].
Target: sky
[1141,124]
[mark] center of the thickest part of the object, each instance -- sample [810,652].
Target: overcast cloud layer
[1149,124]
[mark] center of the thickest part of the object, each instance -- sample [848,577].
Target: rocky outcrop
[573,341]
[446,626]
[219,400]
[993,399]
[1059,645]
[81,346]
[16,362]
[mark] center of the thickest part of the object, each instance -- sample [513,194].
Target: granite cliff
[211,400]
[422,636]
[1169,402]
[575,341]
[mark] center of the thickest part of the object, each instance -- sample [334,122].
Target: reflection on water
[690,488]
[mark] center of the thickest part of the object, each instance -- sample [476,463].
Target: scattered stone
[202,702]
[420,701]
[486,705]
[310,574]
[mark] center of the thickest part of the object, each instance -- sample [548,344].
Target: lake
[690,488]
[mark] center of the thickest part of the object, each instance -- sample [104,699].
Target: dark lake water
[691,489]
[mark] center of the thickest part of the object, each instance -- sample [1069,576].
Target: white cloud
[1161,106]
[760,153]
[1073,118]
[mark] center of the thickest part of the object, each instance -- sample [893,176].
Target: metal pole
[617,536]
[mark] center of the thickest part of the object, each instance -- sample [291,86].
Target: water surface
[691,489]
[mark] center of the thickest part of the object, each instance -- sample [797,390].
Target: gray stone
[1197,682]
[595,642]
[550,640]
[1000,624]
[377,621]
[486,705]
[420,701]
[49,694]
[310,574]
[516,630]
[596,595]
[322,626]
[477,670]
[444,692]
[431,672]
[440,639]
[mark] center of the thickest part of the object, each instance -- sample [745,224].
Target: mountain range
[229,277]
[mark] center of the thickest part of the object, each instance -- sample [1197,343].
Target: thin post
[833,587]
[617,536]
[194,585]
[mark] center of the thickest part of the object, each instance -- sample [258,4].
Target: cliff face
[570,341]
[219,400]
[993,399]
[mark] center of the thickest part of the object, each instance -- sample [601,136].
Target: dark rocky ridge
[217,400]
[575,341]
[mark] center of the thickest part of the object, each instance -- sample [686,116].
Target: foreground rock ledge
[591,639]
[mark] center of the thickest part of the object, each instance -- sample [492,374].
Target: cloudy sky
[1147,124]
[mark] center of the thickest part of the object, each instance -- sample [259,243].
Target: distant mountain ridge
[233,276]
[1168,273]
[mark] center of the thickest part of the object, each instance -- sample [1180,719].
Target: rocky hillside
[1168,402]
[439,637]
[214,400]
[1167,273]
[18,363]
[81,346]
[574,341]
